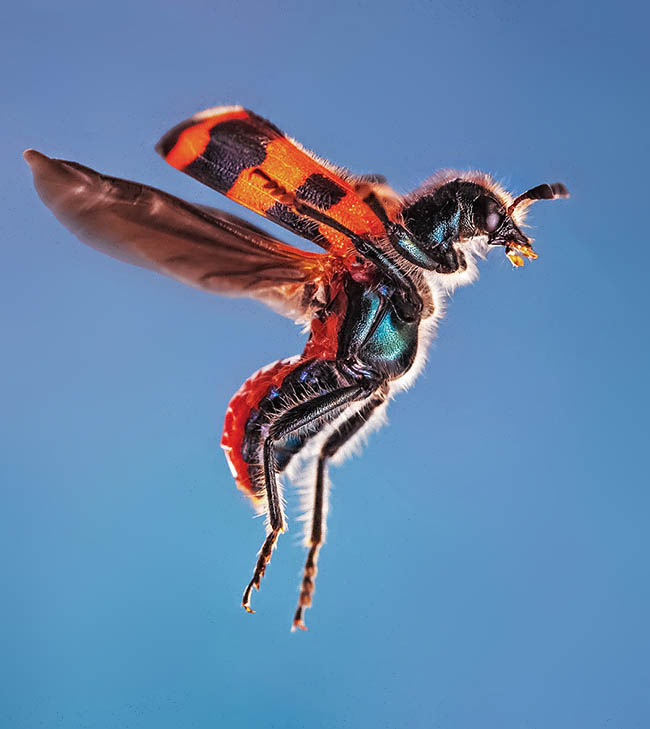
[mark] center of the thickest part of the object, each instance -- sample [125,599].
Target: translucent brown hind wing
[199,246]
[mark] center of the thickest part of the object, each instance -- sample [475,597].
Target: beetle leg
[294,419]
[343,433]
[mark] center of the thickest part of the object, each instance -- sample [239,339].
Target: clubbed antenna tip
[541,192]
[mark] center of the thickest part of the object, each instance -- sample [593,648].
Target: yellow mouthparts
[516,252]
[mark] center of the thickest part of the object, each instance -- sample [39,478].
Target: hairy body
[370,301]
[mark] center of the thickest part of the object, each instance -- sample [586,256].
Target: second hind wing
[200,246]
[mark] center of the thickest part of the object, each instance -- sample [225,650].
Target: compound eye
[493,221]
[487,214]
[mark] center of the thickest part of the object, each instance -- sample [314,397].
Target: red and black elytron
[371,300]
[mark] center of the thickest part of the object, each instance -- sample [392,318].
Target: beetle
[370,301]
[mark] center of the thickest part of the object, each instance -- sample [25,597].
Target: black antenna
[541,192]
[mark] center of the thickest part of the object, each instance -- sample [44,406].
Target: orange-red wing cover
[199,246]
[252,162]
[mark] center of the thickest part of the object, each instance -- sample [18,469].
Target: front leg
[441,256]
[298,417]
[409,300]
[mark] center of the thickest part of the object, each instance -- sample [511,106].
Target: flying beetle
[370,301]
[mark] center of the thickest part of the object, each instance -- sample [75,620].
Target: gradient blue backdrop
[487,563]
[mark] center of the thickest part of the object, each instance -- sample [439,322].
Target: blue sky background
[488,556]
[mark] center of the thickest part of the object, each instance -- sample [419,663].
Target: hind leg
[307,414]
[343,433]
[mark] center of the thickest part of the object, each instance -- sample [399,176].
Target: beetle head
[454,214]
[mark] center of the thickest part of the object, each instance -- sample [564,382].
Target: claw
[298,622]
[246,599]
